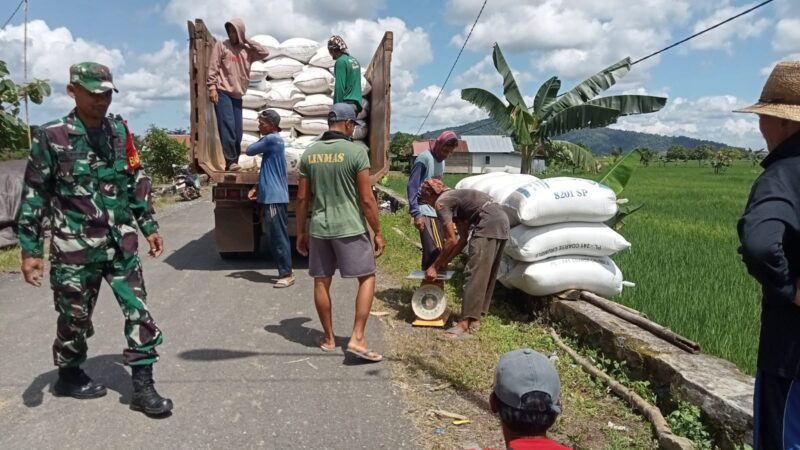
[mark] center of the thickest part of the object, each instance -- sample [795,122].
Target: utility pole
[25,72]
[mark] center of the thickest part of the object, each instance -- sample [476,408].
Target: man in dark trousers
[769,231]
[84,175]
[273,193]
[429,164]
[228,77]
[468,214]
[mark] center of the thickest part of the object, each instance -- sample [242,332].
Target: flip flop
[322,347]
[365,354]
[284,283]
[455,333]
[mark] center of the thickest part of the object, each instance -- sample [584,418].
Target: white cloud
[159,76]
[721,38]
[410,108]
[280,18]
[703,118]
[572,38]
[51,51]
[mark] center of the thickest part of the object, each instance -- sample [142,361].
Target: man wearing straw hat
[769,231]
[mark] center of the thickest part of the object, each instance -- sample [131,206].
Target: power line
[452,68]
[748,11]
[13,14]
[703,32]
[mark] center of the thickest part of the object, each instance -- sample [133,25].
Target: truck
[237,228]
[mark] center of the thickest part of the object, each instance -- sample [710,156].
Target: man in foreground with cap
[346,73]
[84,175]
[273,193]
[526,396]
[336,172]
[769,231]
[429,164]
[228,77]
[468,214]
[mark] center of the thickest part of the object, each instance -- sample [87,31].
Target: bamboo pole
[642,322]
[666,439]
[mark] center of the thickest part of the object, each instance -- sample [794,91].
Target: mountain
[600,140]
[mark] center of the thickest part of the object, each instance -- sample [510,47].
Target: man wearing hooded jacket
[228,77]
[429,164]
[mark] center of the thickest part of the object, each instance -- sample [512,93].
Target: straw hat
[781,94]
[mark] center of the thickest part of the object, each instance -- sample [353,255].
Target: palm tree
[533,127]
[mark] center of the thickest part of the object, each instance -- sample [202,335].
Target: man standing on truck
[468,216]
[769,231]
[429,164]
[336,172]
[347,74]
[228,77]
[84,175]
[273,193]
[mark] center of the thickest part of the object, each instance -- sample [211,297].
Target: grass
[468,366]
[10,259]
[684,257]
[397,181]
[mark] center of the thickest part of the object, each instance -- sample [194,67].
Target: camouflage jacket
[92,198]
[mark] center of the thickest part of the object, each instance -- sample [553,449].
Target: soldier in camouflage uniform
[84,175]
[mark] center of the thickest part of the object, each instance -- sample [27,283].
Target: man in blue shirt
[273,193]
[429,164]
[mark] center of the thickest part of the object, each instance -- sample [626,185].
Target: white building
[492,154]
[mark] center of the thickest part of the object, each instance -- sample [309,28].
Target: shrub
[160,152]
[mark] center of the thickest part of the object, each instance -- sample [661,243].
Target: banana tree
[551,114]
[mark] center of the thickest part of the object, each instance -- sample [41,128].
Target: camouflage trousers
[75,290]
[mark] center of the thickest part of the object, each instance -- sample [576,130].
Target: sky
[145,44]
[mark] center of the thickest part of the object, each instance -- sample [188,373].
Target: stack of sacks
[561,242]
[296,80]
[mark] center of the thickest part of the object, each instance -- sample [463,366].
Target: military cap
[95,77]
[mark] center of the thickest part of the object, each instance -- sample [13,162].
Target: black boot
[73,382]
[145,398]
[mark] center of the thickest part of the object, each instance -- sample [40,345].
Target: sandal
[455,333]
[323,347]
[367,354]
[284,282]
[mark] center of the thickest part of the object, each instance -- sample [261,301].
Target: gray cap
[271,116]
[524,370]
[342,111]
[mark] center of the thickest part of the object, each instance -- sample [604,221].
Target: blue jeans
[276,231]
[229,124]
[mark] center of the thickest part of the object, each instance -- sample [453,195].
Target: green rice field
[683,256]
[684,261]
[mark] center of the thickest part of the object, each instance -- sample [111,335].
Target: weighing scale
[429,302]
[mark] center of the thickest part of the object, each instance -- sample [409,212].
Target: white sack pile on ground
[562,242]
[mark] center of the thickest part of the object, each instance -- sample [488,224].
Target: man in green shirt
[335,171]
[347,74]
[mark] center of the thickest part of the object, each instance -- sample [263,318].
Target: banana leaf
[547,93]
[630,104]
[618,175]
[498,111]
[581,158]
[577,117]
[590,88]
[510,87]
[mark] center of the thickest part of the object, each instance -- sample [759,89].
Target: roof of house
[489,144]
[184,139]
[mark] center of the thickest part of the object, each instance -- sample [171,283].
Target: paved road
[238,361]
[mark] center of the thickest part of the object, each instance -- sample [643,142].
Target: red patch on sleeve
[131,154]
